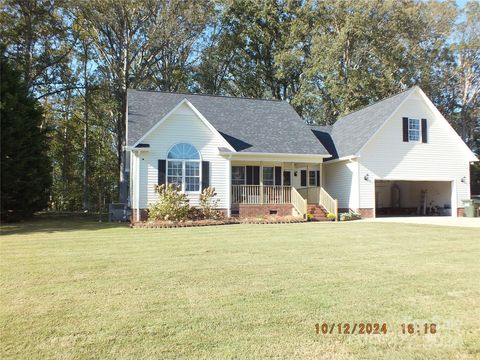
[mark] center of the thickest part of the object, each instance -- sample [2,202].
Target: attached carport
[414,198]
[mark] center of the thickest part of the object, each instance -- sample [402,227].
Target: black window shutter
[278,175]
[162,166]
[424,131]
[253,175]
[205,174]
[318,177]
[249,175]
[405,129]
[303,178]
[256,175]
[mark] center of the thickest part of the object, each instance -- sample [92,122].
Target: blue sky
[461,3]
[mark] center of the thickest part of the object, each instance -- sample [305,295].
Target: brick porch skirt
[244,210]
[460,212]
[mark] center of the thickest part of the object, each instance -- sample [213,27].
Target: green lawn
[75,289]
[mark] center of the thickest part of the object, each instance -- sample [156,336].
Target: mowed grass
[75,289]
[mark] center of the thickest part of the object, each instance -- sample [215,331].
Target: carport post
[453,202]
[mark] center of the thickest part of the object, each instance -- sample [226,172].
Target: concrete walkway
[432,220]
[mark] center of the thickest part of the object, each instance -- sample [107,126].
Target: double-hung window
[413,130]
[312,178]
[238,175]
[183,167]
[268,175]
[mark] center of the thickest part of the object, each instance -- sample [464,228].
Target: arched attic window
[183,167]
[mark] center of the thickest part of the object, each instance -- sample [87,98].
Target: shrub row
[209,222]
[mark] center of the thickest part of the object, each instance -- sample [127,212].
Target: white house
[398,156]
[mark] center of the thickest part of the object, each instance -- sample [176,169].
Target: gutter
[343,158]
[225,153]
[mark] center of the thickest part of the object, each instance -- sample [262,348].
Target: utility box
[471,207]
[118,212]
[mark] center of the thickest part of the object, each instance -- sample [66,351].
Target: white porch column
[308,182]
[261,182]
[136,157]
[229,187]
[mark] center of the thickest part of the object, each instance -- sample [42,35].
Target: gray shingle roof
[249,125]
[351,132]
[323,135]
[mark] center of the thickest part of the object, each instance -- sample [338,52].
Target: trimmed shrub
[172,204]
[209,205]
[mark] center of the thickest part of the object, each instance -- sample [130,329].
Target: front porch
[281,200]
[272,187]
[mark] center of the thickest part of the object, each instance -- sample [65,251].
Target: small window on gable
[413,130]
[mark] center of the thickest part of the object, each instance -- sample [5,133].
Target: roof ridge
[377,102]
[208,95]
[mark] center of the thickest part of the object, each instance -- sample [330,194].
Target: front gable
[184,112]
[181,125]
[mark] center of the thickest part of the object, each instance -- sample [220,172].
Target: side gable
[469,153]
[183,107]
[441,134]
[443,157]
[351,132]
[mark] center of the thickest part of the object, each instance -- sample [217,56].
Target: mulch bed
[226,221]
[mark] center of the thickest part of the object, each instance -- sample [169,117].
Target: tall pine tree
[25,167]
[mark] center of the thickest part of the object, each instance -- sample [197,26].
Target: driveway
[432,220]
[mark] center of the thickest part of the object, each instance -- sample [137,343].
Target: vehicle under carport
[413,198]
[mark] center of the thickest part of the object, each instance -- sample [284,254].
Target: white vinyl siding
[341,182]
[183,127]
[387,157]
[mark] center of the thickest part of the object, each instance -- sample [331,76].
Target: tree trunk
[123,185]
[124,83]
[86,155]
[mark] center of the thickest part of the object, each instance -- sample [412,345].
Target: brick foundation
[243,210]
[460,212]
[366,212]
[143,215]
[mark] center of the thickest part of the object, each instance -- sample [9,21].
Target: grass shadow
[51,223]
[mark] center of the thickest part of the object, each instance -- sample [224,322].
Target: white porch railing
[299,198]
[329,203]
[257,194]
[299,202]
[310,193]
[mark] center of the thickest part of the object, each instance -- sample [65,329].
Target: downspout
[229,186]
[137,190]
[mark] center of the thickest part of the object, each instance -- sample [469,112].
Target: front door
[287,178]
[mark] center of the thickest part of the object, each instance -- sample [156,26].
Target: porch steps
[319,212]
